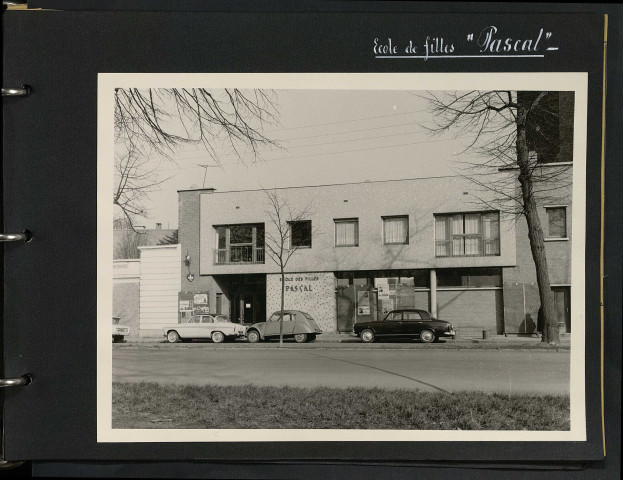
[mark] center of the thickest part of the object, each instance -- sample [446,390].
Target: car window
[193,319]
[287,317]
[411,316]
[274,317]
[221,318]
[394,317]
[207,319]
[425,315]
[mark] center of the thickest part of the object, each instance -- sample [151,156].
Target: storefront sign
[300,283]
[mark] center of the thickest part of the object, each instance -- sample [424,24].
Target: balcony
[236,255]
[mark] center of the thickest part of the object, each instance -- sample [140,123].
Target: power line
[325,135]
[337,153]
[346,121]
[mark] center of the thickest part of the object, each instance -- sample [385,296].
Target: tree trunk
[283,291]
[535,232]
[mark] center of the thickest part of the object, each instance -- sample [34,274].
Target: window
[467,234]
[469,277]
[557,222]
[411,316]
[394,317]
[243,243]
[395,230]
[287,317]
[347,232]
[301,234]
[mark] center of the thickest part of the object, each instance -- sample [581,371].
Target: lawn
[150,405]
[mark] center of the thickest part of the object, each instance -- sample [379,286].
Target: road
[506,371]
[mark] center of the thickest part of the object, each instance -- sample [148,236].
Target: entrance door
[245,309]
[562,304]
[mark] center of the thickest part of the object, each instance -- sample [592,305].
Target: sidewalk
[348,341]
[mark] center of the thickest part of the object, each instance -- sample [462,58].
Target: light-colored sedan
[218,328]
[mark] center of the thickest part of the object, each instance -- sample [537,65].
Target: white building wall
[159,288]
[420,199]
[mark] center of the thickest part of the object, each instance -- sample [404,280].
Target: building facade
[364,249]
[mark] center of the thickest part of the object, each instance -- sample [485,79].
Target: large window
[395,230]
[347,232]
[467,234]
[243,243]
[557,222]
[301,234]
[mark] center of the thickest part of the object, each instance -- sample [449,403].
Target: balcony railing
[244,254]
[467,246]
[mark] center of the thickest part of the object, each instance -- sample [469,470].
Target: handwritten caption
[489,42]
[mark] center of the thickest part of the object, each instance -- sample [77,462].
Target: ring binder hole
[28,234]
[28,378]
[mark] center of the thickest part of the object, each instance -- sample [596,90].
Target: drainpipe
[433,293]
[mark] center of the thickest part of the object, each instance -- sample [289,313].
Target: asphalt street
[506,371]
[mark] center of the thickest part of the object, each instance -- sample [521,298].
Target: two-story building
[366,248]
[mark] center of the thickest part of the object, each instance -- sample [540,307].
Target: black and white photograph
[341,257]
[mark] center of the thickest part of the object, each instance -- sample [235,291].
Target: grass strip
[151,405]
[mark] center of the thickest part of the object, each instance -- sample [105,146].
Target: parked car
[119,331]
[296,324]
[218,328]
[405,323]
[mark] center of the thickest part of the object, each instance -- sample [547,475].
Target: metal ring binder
[16,92]
[15,237]
[15,382]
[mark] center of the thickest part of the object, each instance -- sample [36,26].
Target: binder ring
[15,382]
[16,92]
[25,236]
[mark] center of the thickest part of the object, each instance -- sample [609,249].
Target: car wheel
[253,336]
[311,338]
[218,337]
[300,337]
[117,338]
[427,336]
[367,336]
[173,336]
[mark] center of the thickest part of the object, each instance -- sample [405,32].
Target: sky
[327,137]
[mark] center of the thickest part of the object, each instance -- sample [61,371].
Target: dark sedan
[405,323]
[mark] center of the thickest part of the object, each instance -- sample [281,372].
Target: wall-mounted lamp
[190,276]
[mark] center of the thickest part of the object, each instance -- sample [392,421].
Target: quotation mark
[470,37]
[548,35]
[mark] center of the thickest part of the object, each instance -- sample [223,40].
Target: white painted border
[107,82]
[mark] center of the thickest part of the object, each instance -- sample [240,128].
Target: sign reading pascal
[304,283]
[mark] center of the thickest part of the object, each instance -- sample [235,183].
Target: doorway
[562,305]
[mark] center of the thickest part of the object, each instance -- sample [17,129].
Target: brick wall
[189,238]
[126,305]
[472,311]
[520,285]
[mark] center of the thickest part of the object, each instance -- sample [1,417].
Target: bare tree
[516,132]
[136,177]
[153,123]
[280,239]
